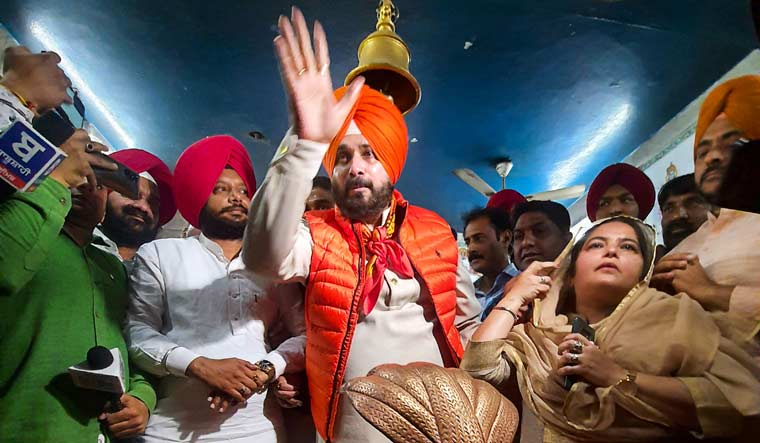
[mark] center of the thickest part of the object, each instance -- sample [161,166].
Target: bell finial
[384,61]
[387,14]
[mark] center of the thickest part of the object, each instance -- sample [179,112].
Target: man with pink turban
[200,322]
[129,223]
[718,264]
[383,281]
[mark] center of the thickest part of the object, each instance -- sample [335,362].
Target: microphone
[26,157]
[99,357]
[103,371]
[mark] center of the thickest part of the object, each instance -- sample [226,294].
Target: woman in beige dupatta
[658,368]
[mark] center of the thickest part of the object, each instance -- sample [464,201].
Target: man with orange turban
[718,264]
[383,281]
[197,319]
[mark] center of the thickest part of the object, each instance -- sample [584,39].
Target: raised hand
[76,168]
[532,283]
[305,70]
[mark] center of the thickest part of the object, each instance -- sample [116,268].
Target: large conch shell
[425,403]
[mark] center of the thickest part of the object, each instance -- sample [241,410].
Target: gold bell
[384,61]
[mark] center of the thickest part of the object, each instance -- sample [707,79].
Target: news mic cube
[26,157]
[109,379]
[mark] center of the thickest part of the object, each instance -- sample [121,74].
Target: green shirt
[57,300]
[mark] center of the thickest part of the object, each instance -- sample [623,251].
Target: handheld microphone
[26,157]
[99,357]
[103,371]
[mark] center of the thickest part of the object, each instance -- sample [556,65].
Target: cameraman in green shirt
[60,296]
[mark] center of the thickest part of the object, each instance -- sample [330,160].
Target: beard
[214,226]
[126,232]
[355,207]
[672,239]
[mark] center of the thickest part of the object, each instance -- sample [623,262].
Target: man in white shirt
[200,321]
[383,278]
[129,223]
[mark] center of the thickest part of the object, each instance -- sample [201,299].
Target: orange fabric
[333,295]
[381,124]
[739,99]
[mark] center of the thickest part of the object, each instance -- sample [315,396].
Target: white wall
[682,159]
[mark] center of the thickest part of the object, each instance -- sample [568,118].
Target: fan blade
[472,179]
[559,194]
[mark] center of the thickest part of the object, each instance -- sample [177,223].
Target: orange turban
[381,123]
[739,99]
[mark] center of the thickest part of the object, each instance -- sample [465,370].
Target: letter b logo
[27,147]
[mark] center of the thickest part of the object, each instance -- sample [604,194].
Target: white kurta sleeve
[151,350]
[468,307]
[277,242]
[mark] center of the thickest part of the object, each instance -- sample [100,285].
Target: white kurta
[187,300]
[400,327]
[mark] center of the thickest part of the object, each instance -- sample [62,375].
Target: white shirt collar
[213,247]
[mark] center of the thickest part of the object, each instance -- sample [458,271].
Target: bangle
[499,308]
[627,384]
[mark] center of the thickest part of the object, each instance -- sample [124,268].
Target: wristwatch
[267,367]
[627,385]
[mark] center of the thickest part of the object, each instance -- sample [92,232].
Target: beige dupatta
[649,332]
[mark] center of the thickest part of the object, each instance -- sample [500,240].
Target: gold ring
[574,358]
[302,72]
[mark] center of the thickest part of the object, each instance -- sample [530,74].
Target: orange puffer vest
[334,289]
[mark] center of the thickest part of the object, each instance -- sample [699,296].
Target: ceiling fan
[503,166]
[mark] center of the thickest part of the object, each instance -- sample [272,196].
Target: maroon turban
[506,199]
[627,176]
[200,166]
[141,161]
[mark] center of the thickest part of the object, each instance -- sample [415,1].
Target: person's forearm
[670,396]
[715,298]
[278,205]
[498,323]
[142,389]
[486,361]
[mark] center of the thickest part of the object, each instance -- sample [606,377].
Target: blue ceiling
[564,87]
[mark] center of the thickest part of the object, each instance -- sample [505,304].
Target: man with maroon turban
[199,321]
[506,199]
[620,189]
[383,281]
[718,265]
[131,223]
